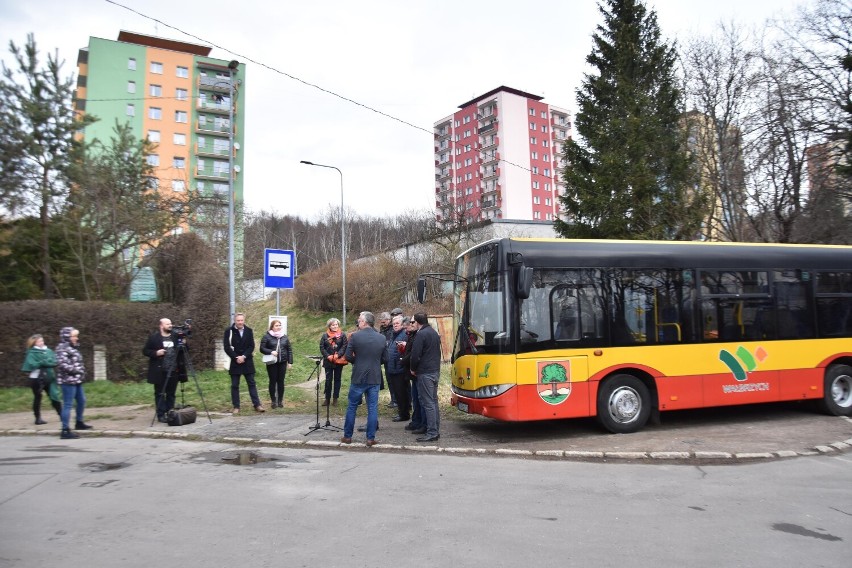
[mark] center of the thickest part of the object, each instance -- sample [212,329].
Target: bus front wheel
[624,404]
[837,396]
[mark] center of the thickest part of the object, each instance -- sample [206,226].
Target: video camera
[182,331]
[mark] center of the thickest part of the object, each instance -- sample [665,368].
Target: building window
[547,187]
[178,185]
[466,133]
[131,64]
[179,139]
[221,168]
[457,123]
[544,143]
[534,155]
[544,128]
[532,125]
[533,140]
[536,215]
[535,170]
[458,151]
[181,94]
[545,157]
[181,116]
[532,112]
[152,183]
[547,201]
[536,200]
[179,162]
[156,68]
[153,159]
[466,119]
[549,217]
[153,136]
[156,91]
[468,162]
[547,172]
[467,148]
[131,86]
[535,186]
[155,113]
[544,114]
[182,71]
[131,110]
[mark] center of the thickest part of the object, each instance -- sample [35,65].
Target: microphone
[314,357]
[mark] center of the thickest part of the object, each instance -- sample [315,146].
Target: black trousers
[400,386]
[164,396]
[277,373]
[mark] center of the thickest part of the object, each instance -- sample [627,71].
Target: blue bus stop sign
[278,269]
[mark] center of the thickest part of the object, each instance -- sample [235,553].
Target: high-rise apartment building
[498,157]
[180,99]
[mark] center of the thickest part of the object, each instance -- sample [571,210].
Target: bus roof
[676,254]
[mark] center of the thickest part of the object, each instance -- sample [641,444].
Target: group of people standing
[409,349]
[52,371]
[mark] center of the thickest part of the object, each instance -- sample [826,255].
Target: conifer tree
[630,176]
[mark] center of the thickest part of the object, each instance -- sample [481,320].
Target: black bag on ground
[181,416]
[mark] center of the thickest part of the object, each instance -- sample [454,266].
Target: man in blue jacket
[426,367]
[366,351]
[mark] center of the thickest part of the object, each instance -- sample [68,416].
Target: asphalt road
[140,502]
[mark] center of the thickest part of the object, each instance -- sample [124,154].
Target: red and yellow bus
[553,328]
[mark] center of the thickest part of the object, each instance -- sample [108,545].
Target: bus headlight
[491,391]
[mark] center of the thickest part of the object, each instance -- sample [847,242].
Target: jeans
[70,394]
[427,391]
[355,394]
[417,419]
[333,375]
[235,390]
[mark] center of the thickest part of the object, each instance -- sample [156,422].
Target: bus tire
[624,404]
[837,395]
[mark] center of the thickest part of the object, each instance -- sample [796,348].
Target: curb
[833,448]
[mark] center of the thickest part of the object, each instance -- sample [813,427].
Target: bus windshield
[480,304]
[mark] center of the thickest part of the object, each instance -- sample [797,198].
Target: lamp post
[342,234]
[232,298]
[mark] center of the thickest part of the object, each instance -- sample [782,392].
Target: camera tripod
[172,360]
[318,361]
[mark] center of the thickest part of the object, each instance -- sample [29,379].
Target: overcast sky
[416,61]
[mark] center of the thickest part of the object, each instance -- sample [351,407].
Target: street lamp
[342,234]
[232,298]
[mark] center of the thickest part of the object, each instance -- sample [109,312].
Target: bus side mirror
[524,284]
[421,290]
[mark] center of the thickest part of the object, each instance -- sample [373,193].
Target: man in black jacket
[166,367]
[239,345]
[426,367]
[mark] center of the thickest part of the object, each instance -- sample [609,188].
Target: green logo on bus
[554,381]
[743,358]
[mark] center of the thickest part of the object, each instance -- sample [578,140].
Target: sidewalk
[738,433]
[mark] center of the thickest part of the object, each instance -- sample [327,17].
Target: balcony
[214,128]
[489,156]
[488,128]
[213,107]
[211,173]
[211,152]
[222,84]
[488,172]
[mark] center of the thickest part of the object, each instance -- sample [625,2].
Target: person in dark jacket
[276,344]
[396,372]
[70,374]
[366,350]
[39,364]
[166,367]
[333,347]
[417,423]
[239,346]
[426,367]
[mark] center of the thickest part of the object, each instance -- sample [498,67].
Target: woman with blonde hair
[39,363]
[275,346]
[332,347]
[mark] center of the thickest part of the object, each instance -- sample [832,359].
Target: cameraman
[166,366]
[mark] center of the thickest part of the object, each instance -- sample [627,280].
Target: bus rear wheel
[624,404]
[837,396]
